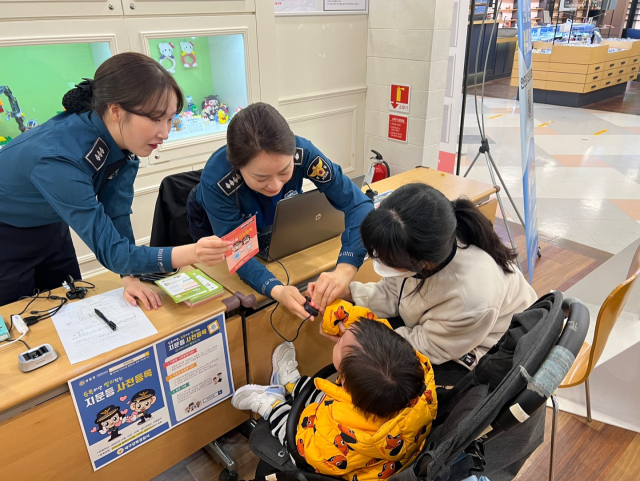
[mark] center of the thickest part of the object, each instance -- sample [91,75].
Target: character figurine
[109,421]
[210,107]
[141,402]
[177,123]
[191,107]
[223,117]
[224,107]
[238,110]
[188,55]
[166,53]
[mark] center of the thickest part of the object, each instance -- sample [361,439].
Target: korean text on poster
[245,245]
[398,127]
[129,402]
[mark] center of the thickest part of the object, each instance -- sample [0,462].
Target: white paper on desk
[84,335]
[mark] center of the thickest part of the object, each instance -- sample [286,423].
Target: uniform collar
[115,152]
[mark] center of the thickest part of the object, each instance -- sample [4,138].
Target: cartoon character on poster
[109,421]
[141,402]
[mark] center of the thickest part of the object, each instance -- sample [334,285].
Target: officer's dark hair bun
[79,99]
[258,128]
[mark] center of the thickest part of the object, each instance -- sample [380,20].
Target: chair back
[608,315]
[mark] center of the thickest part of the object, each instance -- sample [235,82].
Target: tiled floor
[587,169]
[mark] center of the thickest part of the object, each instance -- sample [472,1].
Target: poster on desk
[527,143]
[131,401]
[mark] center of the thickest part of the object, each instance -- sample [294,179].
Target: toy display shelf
[579,75]
[195,131]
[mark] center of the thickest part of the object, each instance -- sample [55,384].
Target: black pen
[111,324]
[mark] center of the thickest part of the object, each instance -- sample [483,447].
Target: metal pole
[464,84]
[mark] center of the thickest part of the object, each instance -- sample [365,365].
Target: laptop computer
[359,180]
[300,222]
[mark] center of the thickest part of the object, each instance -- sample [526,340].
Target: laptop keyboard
[264,241]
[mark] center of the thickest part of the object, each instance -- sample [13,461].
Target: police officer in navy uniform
[78,170]
[262,163]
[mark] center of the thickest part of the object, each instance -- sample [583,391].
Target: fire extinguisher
[380,168]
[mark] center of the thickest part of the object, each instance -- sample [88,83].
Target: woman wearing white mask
[445,273]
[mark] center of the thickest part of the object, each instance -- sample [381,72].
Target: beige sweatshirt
[465,308]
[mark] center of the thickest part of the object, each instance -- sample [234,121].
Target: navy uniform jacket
[70,169]
[228,202]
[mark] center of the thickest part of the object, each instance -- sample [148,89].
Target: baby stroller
[488,423]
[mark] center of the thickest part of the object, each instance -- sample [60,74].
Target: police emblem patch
[319,170]
[98,154]
[299,155]
[231,182]
[291,193]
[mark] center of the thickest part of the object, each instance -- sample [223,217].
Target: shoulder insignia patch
[98,154]
[299,156]
[319,170]
[231,182]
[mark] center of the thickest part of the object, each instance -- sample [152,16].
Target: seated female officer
[263,163]
[78,170]
[445,273]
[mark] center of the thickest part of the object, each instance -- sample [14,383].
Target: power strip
[19,324]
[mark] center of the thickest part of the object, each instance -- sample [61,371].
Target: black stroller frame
[491,421]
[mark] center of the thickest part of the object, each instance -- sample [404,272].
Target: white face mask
[386,271]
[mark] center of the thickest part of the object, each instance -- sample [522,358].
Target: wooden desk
[51,445]
[313,350]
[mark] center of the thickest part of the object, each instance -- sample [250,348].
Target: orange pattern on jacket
[348,314]
[345,443]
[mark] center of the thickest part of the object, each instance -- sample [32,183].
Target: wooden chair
[590,354]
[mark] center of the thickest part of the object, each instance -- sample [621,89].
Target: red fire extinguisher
[380,168]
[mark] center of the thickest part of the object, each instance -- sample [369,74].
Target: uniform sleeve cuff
[349,257]
[164,259]
[268,286]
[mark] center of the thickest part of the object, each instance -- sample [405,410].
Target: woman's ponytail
[80,98]
[475,229]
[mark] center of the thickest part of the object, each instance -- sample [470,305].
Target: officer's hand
[332,285]
[210,250]
[290,297]
[135,289]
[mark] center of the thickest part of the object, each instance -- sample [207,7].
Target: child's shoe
[285,367]
[258,399]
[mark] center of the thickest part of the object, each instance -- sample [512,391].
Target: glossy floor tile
[587,168]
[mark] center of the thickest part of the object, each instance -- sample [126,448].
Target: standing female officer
[262,163]
[78,170]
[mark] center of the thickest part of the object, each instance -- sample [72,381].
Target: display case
[16,9]
[39,64]
[215,62]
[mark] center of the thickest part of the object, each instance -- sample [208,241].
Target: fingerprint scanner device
[4,333]
[36,357]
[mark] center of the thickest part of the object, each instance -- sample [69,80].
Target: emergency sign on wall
[398,127]
[400,98]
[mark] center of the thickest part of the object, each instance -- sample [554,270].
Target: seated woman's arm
[381,297]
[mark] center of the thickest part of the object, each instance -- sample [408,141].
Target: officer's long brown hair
[137,83]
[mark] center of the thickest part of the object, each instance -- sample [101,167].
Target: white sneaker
[258,399]
[285,366]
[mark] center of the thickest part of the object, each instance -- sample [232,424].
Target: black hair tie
[87,86]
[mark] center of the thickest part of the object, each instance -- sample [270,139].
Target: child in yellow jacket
[369,425]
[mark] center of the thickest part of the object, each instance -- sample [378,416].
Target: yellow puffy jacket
[345,312]
[337,440]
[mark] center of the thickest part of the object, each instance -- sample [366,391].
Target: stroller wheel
[227,475]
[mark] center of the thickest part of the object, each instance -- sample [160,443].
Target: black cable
[28,348]
[91,286]
[278,305]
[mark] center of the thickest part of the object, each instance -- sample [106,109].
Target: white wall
[321,64]
[408,42]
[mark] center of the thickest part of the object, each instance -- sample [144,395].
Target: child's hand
[334,338]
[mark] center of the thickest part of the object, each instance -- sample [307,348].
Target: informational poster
[135,399]
[398,127]
[400,98]
[342,5]
[245,245]
[527,144]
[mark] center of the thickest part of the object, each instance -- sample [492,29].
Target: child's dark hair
[416,226]
[381,372]
[259,127]
[137,83]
